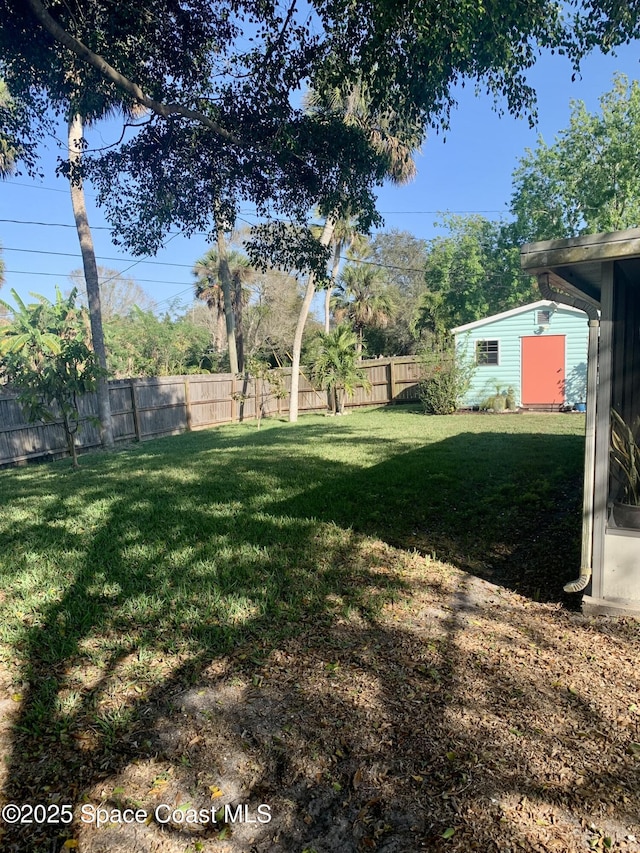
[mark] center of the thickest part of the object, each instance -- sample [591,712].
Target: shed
[539,350]
[600,273]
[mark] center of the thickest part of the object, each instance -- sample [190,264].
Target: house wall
[509,330]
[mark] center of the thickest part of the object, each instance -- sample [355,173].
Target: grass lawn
[282,617]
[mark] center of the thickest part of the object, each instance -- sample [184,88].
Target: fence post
[136,416]
[187,400]
[392,381]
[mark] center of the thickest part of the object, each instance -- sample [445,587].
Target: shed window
[544,318]
[487,352]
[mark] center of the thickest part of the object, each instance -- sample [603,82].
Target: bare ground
[464,718]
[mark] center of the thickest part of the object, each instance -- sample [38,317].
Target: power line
[66,275]
[356,261]
[98,257]
[190,266]
[52,224]
[153,304]
[135,262]
[39,187]
[173,296]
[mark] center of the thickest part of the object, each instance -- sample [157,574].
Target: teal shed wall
[509,328]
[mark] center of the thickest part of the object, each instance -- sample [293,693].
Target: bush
[445,378]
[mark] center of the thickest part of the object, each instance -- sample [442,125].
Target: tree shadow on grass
[507,508]
[158,583]
[360,734]
[504,506]
[178,583]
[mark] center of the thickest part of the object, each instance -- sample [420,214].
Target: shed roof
[576,263]
[541,303]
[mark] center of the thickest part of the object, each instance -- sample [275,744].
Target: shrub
[445,377]
[45,353]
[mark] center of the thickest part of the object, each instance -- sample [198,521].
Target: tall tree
[362,299]
[324,241]
[90,269]
[402,256]
[226,281]
[228,299]
[209,290]
[588,180]
[392,136]
[471,272]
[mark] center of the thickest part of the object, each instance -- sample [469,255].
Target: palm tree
[389,134]
[90,269]
[345,238]
[334,364]
[210,289]
[393,139]
[362,300]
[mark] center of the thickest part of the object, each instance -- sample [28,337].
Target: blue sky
[469,171]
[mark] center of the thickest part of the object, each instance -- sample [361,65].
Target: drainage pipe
[586,558]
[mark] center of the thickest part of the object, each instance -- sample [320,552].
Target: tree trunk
[220,332]
[90,277]
[71,440]
[337,249]
[325,239]
[238,308]
[224,273]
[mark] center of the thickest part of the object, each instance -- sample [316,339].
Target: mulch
[465,717]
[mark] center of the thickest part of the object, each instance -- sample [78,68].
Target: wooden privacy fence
[156,406]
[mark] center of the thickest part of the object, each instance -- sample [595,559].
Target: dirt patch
[465,718]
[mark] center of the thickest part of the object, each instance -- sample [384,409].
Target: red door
[543,370]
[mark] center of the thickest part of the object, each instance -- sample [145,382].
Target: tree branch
[123,83]
[280,39]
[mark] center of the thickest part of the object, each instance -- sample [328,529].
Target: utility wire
[98,257]
[66,275]
[190,266]
[52,224]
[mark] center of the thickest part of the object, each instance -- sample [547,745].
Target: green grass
[187,547]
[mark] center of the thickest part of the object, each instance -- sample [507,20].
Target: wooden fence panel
[211,399]
[160,404]
[21,441]
[120,396]
[122,412]
[31,442]
[406,379]
[146,408]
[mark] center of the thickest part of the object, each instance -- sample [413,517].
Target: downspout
[580,583]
